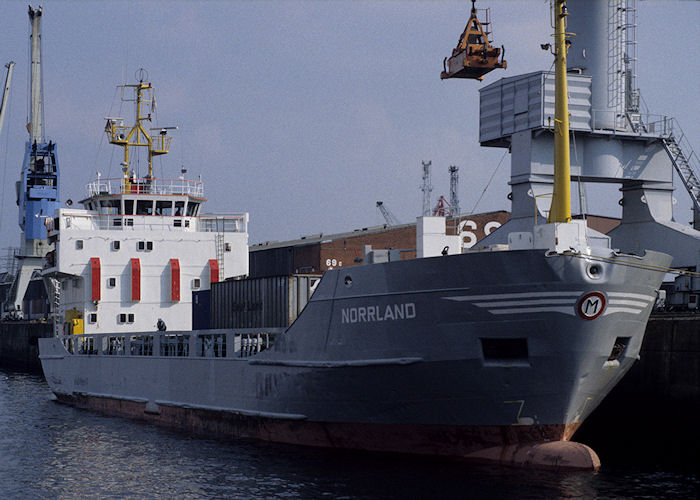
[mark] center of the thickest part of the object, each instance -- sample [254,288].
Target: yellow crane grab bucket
[474,55]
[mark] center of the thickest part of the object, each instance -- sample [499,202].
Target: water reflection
[48,450]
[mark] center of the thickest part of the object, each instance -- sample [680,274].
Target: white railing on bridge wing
[146,186]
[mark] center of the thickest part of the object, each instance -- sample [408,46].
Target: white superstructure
[139,247]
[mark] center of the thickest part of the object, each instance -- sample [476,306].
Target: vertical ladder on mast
[687,165]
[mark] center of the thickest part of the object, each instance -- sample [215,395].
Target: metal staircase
[686,163]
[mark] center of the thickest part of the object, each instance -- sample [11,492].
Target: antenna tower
[426,188]
[454,187]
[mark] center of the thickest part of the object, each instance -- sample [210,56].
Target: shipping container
[260,302]
[271,262]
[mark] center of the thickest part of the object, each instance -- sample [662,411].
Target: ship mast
[560,210]
[137,135]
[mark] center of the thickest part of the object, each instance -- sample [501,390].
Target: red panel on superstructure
[214,271]
[95,277]
[135,279]
[174,280]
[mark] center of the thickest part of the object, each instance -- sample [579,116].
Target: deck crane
[390,218]
[474,55]
[6,92]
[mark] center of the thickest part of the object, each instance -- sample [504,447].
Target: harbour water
[48,450]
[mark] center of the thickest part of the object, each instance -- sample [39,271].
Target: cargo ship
[492,354]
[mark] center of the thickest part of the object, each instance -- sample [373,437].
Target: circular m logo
[591,305]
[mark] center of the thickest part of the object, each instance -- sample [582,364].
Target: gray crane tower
[615,140]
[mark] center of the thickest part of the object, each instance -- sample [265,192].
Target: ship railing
[237,223]
[232,223]
[225,344]
[145,186]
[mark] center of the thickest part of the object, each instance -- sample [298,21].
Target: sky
[305,113]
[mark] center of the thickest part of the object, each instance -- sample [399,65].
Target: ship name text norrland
[366,314]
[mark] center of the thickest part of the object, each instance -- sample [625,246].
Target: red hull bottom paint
[540,446]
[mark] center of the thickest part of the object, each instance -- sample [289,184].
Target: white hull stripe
[528,310]
[634,303]
[625,295]
[528,302]
[611,310]
[558,302]
[524,295]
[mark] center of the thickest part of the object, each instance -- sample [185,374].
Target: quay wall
[19,341]
[652,413]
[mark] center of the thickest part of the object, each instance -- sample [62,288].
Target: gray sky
[305,113]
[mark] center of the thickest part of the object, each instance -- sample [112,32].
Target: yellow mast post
[560,211]
[137,135]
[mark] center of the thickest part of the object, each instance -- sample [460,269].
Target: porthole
[348,281]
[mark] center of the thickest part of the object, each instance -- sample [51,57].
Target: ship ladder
[57,316]
[686,163]
[220,252]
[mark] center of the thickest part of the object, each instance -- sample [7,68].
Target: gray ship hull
[463,355]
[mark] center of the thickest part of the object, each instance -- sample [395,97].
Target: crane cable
[489,182]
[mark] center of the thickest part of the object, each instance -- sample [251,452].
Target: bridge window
[129,207]
[164,207]
[192,208]
[109,206]
[179,208]
[144,207]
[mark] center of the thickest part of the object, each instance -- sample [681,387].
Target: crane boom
[6,92]
[36,118]
[390,219]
